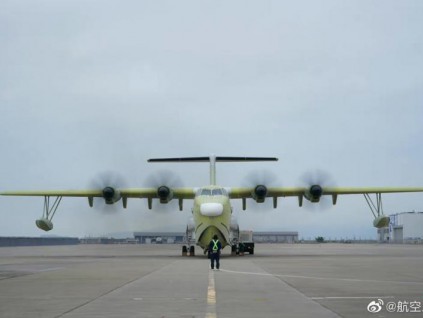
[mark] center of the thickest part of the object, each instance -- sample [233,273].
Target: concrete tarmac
[280,280]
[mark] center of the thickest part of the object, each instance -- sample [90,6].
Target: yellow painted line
[211,297]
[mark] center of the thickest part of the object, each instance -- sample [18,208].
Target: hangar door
[398,234]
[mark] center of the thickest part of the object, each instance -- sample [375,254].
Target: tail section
[213,159]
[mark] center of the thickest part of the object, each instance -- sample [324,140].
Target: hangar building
[404,227]
[159,237]
[275,237]
[177,238]
[37,241]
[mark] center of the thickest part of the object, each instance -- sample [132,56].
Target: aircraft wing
[238,193]
[54,193]
[112,195]
[312,193]
[109,194]
[370,190]
[177,193]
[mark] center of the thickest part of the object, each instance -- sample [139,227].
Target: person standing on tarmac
[214,248]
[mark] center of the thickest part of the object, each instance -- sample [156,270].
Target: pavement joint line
[211,297]
[106,293]
[324,278]
[94,299]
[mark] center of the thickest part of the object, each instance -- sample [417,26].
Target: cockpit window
[212,192]
[217,192]
[205,192]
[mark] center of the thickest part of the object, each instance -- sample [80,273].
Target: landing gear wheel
[192,251]
[233,250]
[184,251]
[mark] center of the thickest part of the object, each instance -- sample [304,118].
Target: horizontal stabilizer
[217,159]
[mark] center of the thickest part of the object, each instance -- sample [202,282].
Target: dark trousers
[215,257]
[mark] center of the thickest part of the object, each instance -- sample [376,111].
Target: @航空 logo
[375,306]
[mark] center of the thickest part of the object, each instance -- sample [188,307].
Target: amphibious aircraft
[212,210]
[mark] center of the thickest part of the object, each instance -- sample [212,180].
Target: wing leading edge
[239,193]
[178,193]
[234,193]
[312,193]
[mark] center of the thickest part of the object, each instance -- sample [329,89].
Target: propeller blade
[164,181]
[163,178]
[316,181]
[260,177]
[260,180]
[109,182]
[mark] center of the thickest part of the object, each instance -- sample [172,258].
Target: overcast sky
[94,86]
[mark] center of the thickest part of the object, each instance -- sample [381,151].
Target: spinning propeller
[260,180]
[315,182]
[164,181]
[110,183]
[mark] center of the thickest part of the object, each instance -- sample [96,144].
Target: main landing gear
[190,248]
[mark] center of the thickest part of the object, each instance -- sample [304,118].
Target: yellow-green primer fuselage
[212,216]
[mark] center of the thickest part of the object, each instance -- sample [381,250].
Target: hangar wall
[404,227]
[37,241]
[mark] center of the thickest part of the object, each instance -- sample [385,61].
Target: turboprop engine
[165,194]
[259,193]
[314,193]
[111,195]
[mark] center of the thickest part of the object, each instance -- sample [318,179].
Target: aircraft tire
[184,250]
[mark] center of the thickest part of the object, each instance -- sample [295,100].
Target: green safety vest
[215,247]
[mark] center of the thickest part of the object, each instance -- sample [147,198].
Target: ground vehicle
[246,243]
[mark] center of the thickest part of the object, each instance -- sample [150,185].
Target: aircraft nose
[211,209]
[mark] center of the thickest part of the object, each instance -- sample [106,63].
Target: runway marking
[352,297]
[211,297]
[324,278]
[50,269]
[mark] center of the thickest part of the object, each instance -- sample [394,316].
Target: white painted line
[50,269]
[211,297]
[247,273]
[351,297]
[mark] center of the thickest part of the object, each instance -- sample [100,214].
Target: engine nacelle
[259,194]
[314,193]
[44,224]
[111,195]
[165,194]
[381,221]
